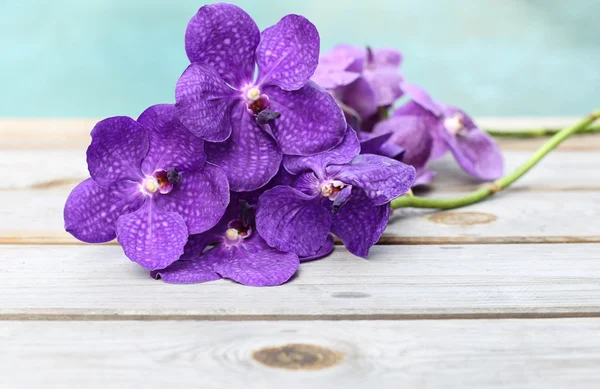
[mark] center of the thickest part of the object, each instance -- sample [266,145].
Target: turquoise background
[91,58]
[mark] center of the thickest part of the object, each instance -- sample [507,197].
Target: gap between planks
[85,315]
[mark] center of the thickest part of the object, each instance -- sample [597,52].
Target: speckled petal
[196,245]
[421,97]
[288,53]
[323,252]
[292,221]
[200,198]
[311,120]
[225,37]
[119,144]
[250,157]
[152,237]
[342,153]
[197,270]
[383,179]
[171,144]
[203,103]
[360,96]
[254,263]
[411,132]
[360,223]
[91,211]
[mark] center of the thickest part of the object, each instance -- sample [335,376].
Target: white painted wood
[36,216]
[523,123]
[530,216]
[557,171]
[395,282]
[477,354]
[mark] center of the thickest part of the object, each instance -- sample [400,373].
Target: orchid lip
[331,188]
[237,232]
[161,181]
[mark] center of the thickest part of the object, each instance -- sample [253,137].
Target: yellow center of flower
[253,94]
[232,234]
[152,185]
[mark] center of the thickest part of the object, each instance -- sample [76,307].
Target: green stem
[504,182]
[536,132]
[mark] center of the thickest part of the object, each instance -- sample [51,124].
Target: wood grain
[396,282]
[478,354]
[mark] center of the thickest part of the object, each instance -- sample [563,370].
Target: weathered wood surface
[477,354]
[84,316]
[420,281]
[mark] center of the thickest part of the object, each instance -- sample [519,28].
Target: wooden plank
[478,354]
[566,171]
[396,282]
[35,217]
[528,217]
[73,134]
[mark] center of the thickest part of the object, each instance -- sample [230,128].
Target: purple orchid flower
[281,112]
[338,191]
[378,144]
[150,188]
[362,79]
[409,128]
[239,254]
[475,151]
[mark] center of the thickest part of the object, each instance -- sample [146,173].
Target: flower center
[332,188]
[256,103]
[455,125]
[232,234]
[237,231]
[253,94]
[162,181]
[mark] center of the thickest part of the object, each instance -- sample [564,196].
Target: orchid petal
[91,211]
[292,221]
[204,103]
[311,120]
[171,144]
[224,37]
[152,237]
[119,144]
[288,53]
[250,157]
[360,223]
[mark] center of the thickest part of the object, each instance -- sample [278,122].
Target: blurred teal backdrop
[76,58]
